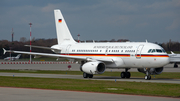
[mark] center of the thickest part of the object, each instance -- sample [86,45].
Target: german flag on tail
[60,20]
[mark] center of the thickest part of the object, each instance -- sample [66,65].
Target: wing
[62,56]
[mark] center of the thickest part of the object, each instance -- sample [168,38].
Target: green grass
[165,75]
[150,89]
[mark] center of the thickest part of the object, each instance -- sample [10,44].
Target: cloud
[117,17]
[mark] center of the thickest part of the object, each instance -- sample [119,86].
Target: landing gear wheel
[175,65]
[128,75]
[90,76]
[148,77]
[123,74]
[85,75]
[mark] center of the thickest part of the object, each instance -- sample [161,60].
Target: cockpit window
[163,51]
[153,51]
[149,51]
[159,50]
[156,50]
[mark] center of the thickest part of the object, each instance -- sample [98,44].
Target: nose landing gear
[148,76]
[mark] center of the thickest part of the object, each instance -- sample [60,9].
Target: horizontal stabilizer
[41,47]
[6,51]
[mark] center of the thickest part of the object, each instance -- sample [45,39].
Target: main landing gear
[126,74]
[175,65]
[85,75]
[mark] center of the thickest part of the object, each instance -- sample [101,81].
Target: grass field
[150,89]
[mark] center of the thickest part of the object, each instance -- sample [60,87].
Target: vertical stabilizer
[18,56]
[63,33]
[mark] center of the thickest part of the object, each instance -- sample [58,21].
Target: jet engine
[93,67]
[152,71]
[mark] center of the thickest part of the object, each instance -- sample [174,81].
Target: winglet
[4,51]
[172,52]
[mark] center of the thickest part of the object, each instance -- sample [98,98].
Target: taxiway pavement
[74,67]
[25,94]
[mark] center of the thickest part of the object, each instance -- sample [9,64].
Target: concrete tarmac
[107,78]
[25,94]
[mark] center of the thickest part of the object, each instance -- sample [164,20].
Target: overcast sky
[136,20]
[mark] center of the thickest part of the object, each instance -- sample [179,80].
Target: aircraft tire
[148,77]
[128,75]
[90,76]
[123,74]
[175,65]
[85,75]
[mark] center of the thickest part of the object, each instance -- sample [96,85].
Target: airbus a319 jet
[95,58]
[13,58]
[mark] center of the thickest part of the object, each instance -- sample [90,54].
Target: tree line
[19,45]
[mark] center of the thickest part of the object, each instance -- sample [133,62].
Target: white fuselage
[124,54]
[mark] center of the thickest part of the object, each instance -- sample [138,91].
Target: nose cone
[164,60]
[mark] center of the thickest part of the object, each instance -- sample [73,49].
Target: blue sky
[136,20]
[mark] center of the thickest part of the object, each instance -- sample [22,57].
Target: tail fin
[63,33]
[18,56]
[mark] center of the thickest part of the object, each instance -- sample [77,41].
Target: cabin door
[67,49]
[138,51]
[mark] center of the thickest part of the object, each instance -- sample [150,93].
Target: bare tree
[23,39]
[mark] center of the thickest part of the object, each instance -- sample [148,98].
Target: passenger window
[150,51]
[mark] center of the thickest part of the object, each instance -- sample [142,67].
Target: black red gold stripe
[145,55]
[116,55]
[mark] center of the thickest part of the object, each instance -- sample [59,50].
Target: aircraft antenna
[78,37]
[30,41]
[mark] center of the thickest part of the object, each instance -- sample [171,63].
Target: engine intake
[93,67]
[152,71]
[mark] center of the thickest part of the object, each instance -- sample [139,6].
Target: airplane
[13,58]
[174,58]
[94,58]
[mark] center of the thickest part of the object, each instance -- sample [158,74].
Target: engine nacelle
[93,67]
[152,71]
